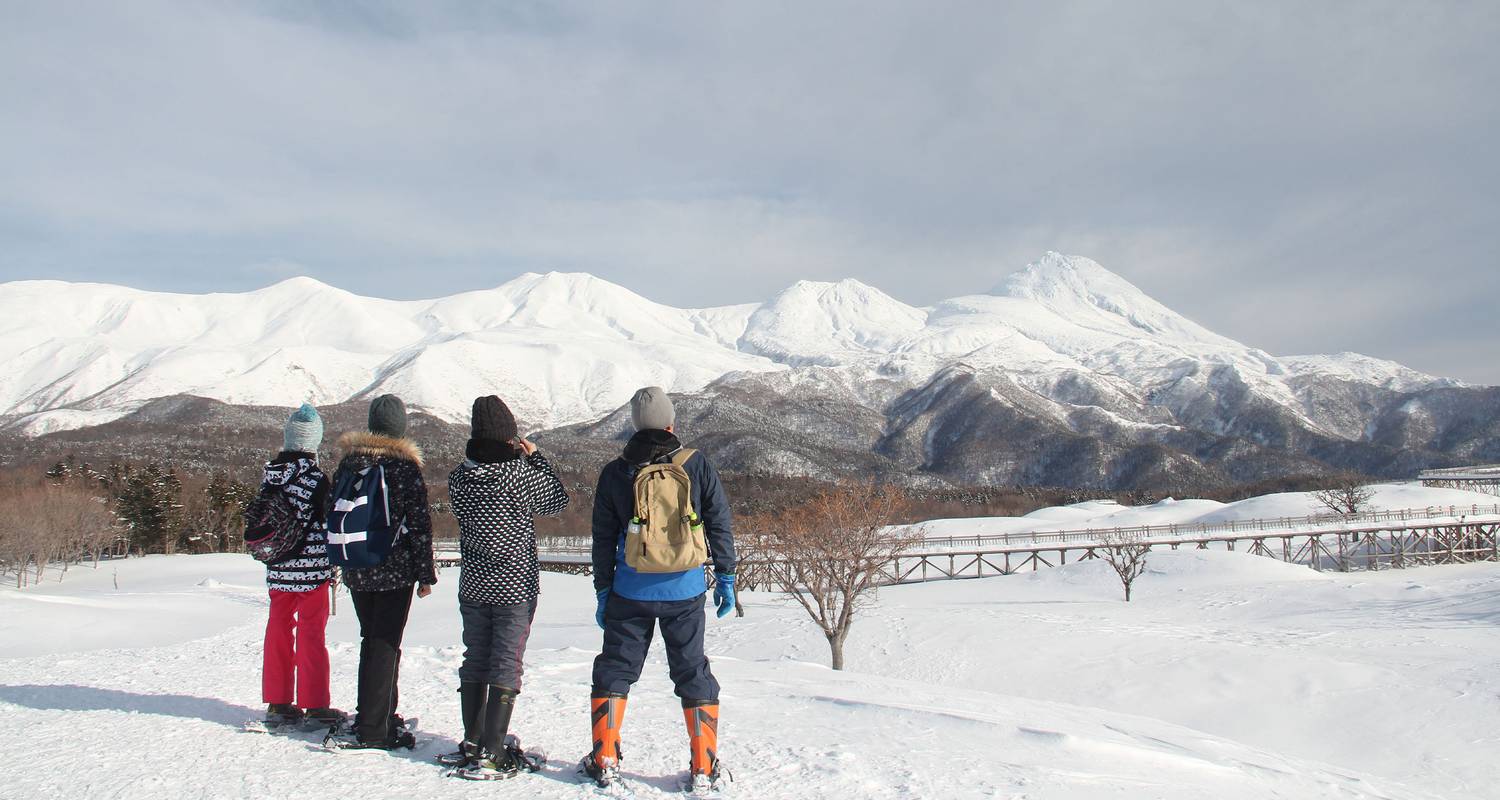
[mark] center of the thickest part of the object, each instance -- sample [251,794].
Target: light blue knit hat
[304,431]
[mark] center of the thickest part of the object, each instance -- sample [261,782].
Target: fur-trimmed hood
[364,443]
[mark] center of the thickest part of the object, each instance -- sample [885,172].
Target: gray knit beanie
[304,431]
[651,409]
[388,416]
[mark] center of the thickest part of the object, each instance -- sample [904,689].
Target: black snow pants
[382,621]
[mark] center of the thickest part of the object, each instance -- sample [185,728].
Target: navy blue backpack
[360,529]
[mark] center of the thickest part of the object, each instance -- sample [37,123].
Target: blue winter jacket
[614,505]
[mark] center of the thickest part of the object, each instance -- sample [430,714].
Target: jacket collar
[491,451]
[650,446]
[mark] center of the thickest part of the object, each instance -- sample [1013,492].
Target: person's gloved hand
[724,593]
[599,613]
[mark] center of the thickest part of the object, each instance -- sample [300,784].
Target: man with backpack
[502,484]
[381,534]
[290,538]
[660,514]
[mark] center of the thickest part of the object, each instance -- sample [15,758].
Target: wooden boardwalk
[1483,478]
[1367,547]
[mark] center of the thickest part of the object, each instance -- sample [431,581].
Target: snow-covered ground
[1279,511]
[1230,676]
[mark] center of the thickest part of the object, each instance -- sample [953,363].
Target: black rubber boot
[497,720]
[502,756]
[473,697]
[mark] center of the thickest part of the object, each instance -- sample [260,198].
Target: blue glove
[724,594]
[599,613]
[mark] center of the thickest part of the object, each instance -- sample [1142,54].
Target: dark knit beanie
[388,416]
[493,420]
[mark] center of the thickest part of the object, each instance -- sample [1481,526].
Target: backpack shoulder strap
[682,455]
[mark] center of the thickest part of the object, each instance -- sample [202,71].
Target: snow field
[1230,676]
[1107,514]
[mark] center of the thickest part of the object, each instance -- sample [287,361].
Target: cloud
[1243,163]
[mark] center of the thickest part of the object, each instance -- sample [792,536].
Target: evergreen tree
[149,501]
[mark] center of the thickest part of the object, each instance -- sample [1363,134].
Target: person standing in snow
[294,681]
[382,594]
[503,483]
[633,602]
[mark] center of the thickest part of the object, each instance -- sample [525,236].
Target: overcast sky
[1304,177]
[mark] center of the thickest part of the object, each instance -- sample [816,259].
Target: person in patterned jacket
[382,594]
[295,674]
[504,482]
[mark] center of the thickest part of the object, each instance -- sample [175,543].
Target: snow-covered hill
[567,348]
[1230,676]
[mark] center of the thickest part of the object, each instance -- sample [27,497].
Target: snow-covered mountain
[1062,347]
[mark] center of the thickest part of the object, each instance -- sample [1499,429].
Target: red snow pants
[296,655]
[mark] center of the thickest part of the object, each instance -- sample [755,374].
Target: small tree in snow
[1126,553]
[829,553]
[1346,496]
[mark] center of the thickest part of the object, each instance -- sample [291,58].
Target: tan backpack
[666,534]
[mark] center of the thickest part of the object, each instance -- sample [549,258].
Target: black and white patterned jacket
[495,504]
[305,485]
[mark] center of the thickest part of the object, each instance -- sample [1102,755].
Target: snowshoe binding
[510,762]
[345,736]
[602,774]
[712,783]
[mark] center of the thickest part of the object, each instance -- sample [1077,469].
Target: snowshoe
[319,718]
[466,754]
[345,737]
[513,761]
[279,718]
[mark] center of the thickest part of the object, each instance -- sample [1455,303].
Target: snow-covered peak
[299,283]
[1081,290]
[813,321]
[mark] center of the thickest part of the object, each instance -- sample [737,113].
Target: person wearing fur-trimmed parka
[383,594]
[502,484]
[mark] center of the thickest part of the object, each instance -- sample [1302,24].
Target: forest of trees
[76,512]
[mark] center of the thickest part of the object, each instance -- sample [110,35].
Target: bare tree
[1126,553]
[828,553]
[44,525]
[1348,495]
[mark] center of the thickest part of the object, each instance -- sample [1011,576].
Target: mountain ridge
[1063,357]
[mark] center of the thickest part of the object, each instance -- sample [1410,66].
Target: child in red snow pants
[296,655]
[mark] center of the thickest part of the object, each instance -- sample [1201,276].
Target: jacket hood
[473,475]
[650,445]
[364,443]
[285,468]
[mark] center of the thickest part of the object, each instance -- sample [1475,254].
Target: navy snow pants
[495,642]
[628,626]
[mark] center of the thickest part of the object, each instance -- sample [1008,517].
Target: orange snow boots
[703,737]
[609,716]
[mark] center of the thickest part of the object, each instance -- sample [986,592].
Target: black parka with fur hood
[410,560]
